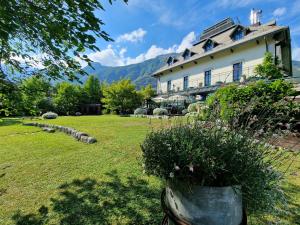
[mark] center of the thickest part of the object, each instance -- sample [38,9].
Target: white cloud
[114,57]
[107,57]
[279,12]
[134,36]
[187,42]
[151,53]
[296,54]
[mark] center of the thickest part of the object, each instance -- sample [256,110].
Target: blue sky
[143,29]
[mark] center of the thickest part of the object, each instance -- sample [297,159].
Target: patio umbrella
[158,99]
[178,98]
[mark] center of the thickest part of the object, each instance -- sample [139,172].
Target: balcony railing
[222,78]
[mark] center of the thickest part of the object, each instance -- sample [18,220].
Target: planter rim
[170,183]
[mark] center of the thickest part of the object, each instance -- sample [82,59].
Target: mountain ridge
[139,73]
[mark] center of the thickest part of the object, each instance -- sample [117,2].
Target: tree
[121,97]
[268,69]
[147,93]
[35,95]
[10,99]
[44,37]
[92,89]
[67,98]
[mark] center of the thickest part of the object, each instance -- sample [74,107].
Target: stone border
[79,136]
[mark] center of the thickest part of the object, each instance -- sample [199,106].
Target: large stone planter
[200,205]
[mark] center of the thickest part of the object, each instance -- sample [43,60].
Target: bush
[195,107]
[160,112]
[211,155]
[193,115]
[140,111]
[265,101]
[49,115]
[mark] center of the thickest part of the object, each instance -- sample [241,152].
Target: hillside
[140,73]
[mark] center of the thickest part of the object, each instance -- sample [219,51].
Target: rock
[78,114]
[79,134]
[91,140]
[84,139]
[49,130]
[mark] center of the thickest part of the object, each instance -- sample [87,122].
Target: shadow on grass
[91,202]
[293,210]
[9,121]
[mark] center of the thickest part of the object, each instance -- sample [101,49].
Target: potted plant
[212,173]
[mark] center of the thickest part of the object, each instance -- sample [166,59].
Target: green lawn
[54,179]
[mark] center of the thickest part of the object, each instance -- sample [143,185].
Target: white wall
[221,66]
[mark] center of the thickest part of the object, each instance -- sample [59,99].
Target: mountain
[296,68]
[140,73]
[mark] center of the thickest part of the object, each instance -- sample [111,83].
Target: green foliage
[263,100]
[147,92]
[195,107]
[210,155]
[10,99]
[67,98]
[160,112]
[268,69]
[121,97]
[49,34]
[35,94]
[92,89]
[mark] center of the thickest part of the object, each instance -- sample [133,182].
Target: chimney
[255,16]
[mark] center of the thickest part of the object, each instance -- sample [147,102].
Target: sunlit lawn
[54,179]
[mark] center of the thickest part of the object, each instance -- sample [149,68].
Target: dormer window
[238,33]
[186,54]
[209,45]
[170,61]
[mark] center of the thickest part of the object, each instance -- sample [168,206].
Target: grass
[54,179]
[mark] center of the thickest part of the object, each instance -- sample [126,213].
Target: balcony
[198,88]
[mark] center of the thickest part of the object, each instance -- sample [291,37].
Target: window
[238,34]
[207,78]
[237,71]
[170,61]
[185,83]
[169,86]
[208,46]
[186,54]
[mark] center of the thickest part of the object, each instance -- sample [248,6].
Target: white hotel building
[224,53]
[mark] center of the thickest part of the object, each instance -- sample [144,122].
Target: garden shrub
[262,101]
[195,107]
[210,155]
[140,111]
[193,115]
[160,112]
[49,115]
[269,69]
